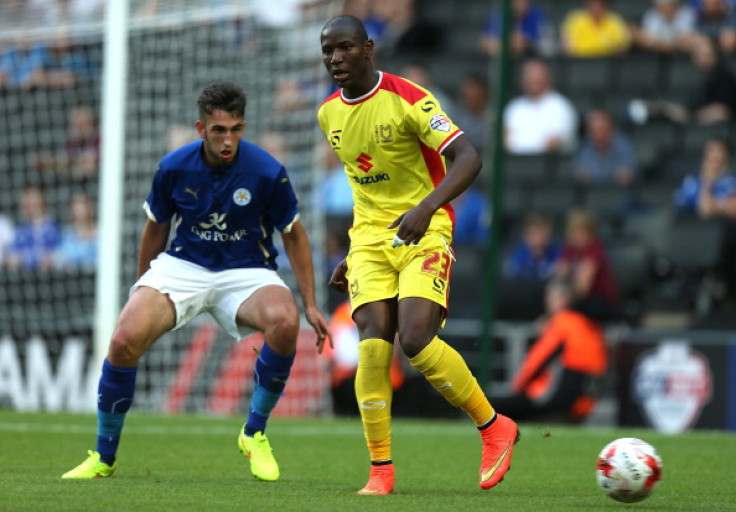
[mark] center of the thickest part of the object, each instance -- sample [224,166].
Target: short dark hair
[225,96]
[351,22]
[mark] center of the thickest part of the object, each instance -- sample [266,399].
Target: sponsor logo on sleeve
[428,106]
[440,123]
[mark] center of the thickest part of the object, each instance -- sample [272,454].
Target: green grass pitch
[182,463]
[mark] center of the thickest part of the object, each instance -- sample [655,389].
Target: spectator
[541,120]
[606,155]
[180,134]
[52,13]
[37,236]
[472,217]
[22,64]
[594,31]
[473,111]
[712,191]
[531,35]
[571,351]
[6,237]
[716,20]
[66,64]
[584,263]
[80,156]
[536,254]
[336,194]
[667,27]
[712,194]
[714,101]
[420,76]
[78,247]
[395,28]
[82,146]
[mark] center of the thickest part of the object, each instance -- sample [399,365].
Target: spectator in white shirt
[541,120]
[668,26]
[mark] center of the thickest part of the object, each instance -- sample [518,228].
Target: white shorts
[194,289]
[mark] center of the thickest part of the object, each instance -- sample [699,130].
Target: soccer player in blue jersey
[226,197]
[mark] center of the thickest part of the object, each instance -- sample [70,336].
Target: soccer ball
[628,469]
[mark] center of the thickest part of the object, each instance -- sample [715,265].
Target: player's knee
[283,328]
[124,350]
[412,343]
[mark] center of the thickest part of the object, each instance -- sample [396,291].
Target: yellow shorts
[378,271]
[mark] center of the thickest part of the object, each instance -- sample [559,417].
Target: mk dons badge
[440,123]
[241,197]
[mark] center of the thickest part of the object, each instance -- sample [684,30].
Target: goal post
[112,153]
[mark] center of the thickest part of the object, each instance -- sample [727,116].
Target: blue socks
[114,397]
[271,372]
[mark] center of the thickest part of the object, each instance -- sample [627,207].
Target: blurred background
[614,250]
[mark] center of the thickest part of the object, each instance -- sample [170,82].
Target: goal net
[51,88]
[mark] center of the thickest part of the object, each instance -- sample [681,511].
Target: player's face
[221,132]
[348,60]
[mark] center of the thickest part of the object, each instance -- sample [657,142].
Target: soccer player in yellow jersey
[406,161]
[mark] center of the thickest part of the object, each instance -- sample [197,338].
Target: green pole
[490,290]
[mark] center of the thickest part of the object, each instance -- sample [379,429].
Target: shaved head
[348,23]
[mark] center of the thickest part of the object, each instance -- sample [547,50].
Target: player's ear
[200,128]
[369,46]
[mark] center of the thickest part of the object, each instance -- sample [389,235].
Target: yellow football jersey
[390,141]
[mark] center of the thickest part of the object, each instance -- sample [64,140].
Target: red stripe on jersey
[403,88]
[436,167]
[332,96]
[454,135]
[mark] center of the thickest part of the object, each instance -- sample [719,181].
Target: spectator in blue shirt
[37,236]
[531,30]
[22,65]
[537,253]
[78,248]
[712,191]
[606,155]
[472,217]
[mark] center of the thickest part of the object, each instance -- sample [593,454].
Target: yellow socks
[447,372]
[374,393]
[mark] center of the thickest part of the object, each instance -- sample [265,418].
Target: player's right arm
[339,280]
[153,242]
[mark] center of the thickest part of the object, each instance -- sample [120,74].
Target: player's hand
[339,280]
[413,224]
[318,322]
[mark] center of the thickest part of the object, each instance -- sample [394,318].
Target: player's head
[347,53]
[221,122]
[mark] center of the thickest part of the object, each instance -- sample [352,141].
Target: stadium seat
[682,76]
[589,76]
[630,266]
[665,135]
[527,170]
[639,75]
[650,228]
[695,137]
[553,201]
[606,201]
[693,245]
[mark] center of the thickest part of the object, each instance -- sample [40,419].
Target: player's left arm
[299,252]
[463,167]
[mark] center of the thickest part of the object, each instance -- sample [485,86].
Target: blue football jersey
[224,217]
